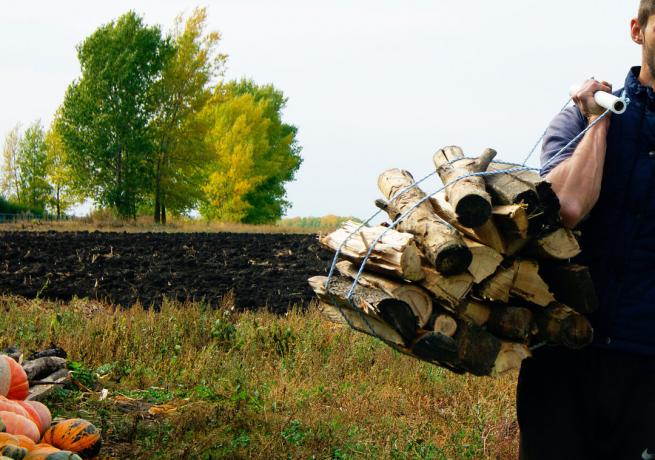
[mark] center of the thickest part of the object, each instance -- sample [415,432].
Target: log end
[473,210]
[453,259]
[400,317]
[576,332]
[510,357]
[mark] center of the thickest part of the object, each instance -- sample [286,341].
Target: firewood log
[468,195]
[445,324]
[560,244]
[395,253]
[372,301]
[441,243]
[572,285]
[561,325]
[439,349]
[449,290]
[418,299]
[487,234]
[485,260]
[512,220]
[511,188]
[520,279]
[481,353]
[504,321]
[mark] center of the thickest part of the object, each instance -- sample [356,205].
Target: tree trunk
[157,213]
[395,254]
[442,245]
[467,196]
[418,299]
[371,301]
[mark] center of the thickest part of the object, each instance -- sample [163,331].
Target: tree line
[151,127]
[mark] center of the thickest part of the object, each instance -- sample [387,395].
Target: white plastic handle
[605,100]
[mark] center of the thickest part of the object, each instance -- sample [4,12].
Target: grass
[192,382]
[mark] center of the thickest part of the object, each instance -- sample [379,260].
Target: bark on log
[572,285]
[512,220]
[441,244]
[507,322]
[467,196]
[41,367]
[485,260]
[561,325]
[374,302]
[481,353]
[486,234]
[418,299]
[439,349]
[395,253]
[560,244]
[511,188]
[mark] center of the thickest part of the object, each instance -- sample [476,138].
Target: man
[599,403]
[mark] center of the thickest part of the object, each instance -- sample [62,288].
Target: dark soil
[262,270]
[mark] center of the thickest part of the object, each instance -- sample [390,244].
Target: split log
[561,325]
[441,244]
[395,253]
[449,290]
[508,322]
[485,260]
[482,353]
[445,324]
[467,196]
[572,285]
[512,188]
[418,299]
[486,234]
[521,279]
[41,367]
[512,220]
[372,301]
[560,244]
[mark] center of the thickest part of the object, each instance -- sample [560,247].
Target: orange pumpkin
[25,442]
[8,405]
[5,377]
[19,386]
[17,424]
[77,435]
[43,412]
[6,438]
[32,414]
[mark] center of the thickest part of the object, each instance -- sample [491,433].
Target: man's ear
[636,32]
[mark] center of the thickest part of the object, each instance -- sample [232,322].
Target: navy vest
[618,237]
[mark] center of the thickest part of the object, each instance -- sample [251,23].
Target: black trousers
[587,404]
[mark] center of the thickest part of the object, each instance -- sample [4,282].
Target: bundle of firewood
[472,278]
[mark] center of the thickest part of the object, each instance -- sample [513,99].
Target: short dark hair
[646,10]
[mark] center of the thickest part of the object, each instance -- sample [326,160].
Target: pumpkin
[32,414]
[14,452]
[45,454]
[42,411]
[77,435]
[25,442]
[5,377]
[17,424]
[6,438]
[19,387]
[8,405]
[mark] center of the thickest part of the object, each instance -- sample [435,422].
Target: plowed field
[262,270]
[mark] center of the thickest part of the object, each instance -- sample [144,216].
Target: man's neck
[646,76]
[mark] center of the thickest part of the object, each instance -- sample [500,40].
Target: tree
[255,154]
[106,114]
[59,174]
[32,164]
[183,91]
[10,183]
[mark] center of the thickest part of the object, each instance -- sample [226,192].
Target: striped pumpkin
[77,435]
[42,411]
[19,387]
[13,452]
[5,377]
[17,424]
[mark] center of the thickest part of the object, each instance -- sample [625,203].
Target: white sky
[372,84]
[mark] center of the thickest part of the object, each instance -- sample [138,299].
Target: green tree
[106,114]
[255,154]
[179,134]
[59,174]
[32,164]
[10,181]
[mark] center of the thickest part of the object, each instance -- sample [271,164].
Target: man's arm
[577,180]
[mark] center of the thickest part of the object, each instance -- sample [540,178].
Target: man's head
[642,29]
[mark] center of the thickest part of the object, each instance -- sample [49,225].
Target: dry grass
[254,385]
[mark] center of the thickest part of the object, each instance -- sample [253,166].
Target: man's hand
[584,98]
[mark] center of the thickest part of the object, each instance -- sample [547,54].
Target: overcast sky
[372,84]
